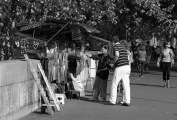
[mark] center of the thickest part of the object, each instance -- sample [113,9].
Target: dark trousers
[141,67]
[100,88]
[166,67]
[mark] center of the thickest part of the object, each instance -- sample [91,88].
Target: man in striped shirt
[121,72]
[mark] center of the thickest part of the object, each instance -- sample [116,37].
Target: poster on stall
[93,68]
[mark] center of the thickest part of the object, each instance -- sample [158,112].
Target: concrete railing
[19,94]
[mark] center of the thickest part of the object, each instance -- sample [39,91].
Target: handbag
[172,62]
[160,62]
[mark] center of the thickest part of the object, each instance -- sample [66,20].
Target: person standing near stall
[102,73]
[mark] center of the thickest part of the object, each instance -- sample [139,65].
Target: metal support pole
[57,32]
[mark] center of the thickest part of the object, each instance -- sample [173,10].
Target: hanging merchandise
[93,68]
[26,44]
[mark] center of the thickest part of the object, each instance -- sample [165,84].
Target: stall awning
[29,37]
[32,26]
[85,27]
[100,39]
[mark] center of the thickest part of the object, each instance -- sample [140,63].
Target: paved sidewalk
[149,101]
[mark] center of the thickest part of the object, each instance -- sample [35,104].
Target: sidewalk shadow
[88,100]
[154,100]
[148,85]
[154,72]
[151,100]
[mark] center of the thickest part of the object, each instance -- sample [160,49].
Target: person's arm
[94,57]
[171,54]
[116,56]
[104,69]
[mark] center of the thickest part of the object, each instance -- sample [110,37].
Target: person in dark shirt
[149,51]
[102,73]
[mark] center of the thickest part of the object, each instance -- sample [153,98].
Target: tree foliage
[144,16]
[133,15]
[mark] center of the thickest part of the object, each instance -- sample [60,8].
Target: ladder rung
[47,105]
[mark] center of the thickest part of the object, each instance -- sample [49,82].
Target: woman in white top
[165,61]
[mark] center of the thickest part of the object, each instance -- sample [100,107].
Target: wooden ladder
[49,87]
[41,89]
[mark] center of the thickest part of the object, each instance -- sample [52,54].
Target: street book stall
[48,62]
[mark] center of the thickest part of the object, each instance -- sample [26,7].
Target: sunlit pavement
[149,101]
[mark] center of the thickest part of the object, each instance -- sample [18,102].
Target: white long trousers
[121,73]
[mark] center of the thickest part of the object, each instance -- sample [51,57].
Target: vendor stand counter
[19,94]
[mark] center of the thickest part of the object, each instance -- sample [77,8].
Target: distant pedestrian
[149,54]
[158,51]
[142,59]
[153,44]
[135,54]
[166,61]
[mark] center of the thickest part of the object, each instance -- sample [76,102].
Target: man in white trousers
[121,72]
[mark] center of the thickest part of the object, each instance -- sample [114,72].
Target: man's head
[115,39]
[104,49]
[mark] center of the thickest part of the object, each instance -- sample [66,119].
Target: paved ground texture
[149,101]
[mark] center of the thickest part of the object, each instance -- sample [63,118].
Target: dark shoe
[126,104]
[123,104]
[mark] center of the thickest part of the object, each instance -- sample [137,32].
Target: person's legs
[148,61]
[164,70]
[168,74]
[140,68]
[116,79]
[126,85]
[103,89]
[96,91]
[137,63]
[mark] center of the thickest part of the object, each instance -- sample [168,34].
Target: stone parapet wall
[19,94]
